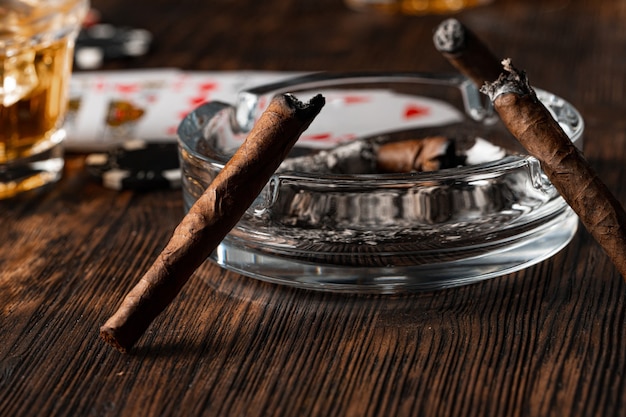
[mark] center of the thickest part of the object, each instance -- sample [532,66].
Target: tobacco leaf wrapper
[213,215]
[533,126]
[426,154]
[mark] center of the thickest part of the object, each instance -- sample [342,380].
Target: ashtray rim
[191,127]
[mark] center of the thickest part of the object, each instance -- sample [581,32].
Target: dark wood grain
[546,341]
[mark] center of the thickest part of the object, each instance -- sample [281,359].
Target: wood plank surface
[546,341]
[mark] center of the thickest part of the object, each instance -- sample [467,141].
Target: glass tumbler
[36,53]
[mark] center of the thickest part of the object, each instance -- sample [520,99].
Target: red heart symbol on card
[126,88]
[355,99]
[196,101]
[412,111]
[207,86]
[319,136]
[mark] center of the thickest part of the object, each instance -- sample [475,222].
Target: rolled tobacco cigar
[466,52]
[213,215]
[533,126]
[429,153]
[531,123]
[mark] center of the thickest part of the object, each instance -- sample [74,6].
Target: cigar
[531,123]
[213,215]
[429,153]
[466,52]
[533,126]
[417,155]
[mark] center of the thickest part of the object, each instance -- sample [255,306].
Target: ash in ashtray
[413,155]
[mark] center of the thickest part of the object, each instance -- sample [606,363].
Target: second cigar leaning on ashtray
[532,124]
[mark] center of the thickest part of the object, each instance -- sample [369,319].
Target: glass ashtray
[328,220]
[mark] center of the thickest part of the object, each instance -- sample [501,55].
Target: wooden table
[546,341]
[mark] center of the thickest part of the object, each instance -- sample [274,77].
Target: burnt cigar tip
[511,80]
[308,109]
[450,36]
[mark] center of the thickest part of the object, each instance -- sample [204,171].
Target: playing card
[107,108]
[378,111]
[192,89]
[110,107]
